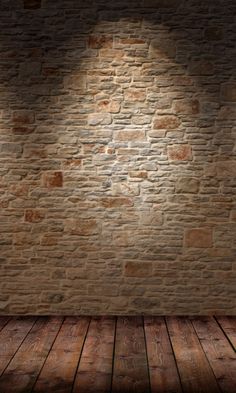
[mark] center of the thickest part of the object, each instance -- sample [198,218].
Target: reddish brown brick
[198,237]
[180,152]
[52,179]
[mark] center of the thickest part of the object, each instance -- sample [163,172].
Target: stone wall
[118,158]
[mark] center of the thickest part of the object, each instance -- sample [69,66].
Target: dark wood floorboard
[228,325]
[162,366]
[58,372]
[195,372]
[21,373]
[130,372]
[117,355]
[95,368]
[220,354]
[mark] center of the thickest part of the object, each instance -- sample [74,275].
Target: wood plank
[228,325]
[25,366]
[11,337]
[3,322]
[219,352]
[95,367]
[164,376]
[130,372]
[59,370]
[195,372]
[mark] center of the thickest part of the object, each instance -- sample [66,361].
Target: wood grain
[228,325]
[11,337]
[195,371]
[220,354]
[21,373]
[58,372]
[95,368]
[130,362]
[162,367]
[3,322]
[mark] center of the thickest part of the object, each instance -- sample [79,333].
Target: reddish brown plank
[59,369]
[130,372]
[195,372]
[95,367]
[228,325]
[219,352]
[11,337]
[162,367]
[21,373]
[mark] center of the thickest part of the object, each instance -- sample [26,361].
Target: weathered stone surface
[116,202]
[34,215]
[187,185]
[221,169]
[132,95]
[81,227]
[180,152]
[168,122]
[52,179]
[186,107]
[23,117]
[117,153]
[198,237]
[138,269]
[95,119]
[129,135]
[228,91]
[100,41]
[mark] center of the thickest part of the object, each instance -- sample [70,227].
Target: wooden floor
[124,354]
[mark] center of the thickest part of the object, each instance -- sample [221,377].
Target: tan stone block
[168,122]
[95,119]
[113,202]
[138,269]
[129,135]
[133,95]
[181,152]
[81,226]
[187,185]
[198,237]
[138,174]
[221,169]
[75,81]
[186,107]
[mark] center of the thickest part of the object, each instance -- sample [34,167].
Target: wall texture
[118,158]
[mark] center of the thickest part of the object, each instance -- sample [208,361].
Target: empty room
[118,196]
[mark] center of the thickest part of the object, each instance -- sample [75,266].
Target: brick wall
[118,158]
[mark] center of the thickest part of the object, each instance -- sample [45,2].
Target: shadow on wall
[45,42]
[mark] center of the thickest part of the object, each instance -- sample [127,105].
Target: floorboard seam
[225,334]
[19,347]
[145,341]
[36,380]
[220,390]
[113,355]
[82,348]
[176,363]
